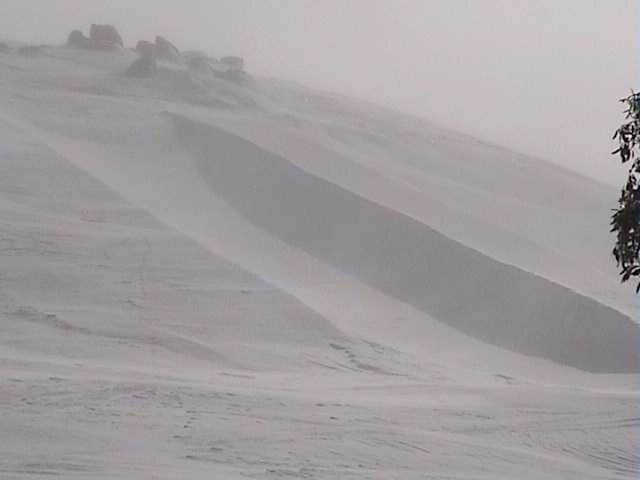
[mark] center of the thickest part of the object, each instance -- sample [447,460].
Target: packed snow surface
[208,279]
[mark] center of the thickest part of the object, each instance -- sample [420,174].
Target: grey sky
[541,76]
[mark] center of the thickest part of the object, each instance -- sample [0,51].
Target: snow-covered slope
[194,270]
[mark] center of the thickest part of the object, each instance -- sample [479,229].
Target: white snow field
[208,280]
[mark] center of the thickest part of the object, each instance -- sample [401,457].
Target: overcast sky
[540,76]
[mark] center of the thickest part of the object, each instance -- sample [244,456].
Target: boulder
[233,63]
[105,37]
[200,64]
[144,48]
[165,50]
[235,76]
[145,66]
[191,54]
[78,40]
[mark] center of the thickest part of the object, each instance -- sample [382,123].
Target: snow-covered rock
[165,50]
[105,37]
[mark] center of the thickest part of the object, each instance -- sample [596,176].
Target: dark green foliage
[625,221]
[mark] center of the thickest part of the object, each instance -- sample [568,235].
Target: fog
[542,77]
[196,265]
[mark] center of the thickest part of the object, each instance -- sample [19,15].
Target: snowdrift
[330,186]
[364,292]
[408,260]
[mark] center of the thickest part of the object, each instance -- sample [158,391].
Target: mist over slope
[171,240]
[409,261]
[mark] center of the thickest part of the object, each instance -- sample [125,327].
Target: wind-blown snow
[207,280]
